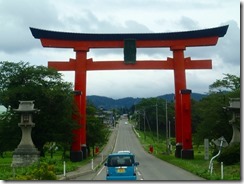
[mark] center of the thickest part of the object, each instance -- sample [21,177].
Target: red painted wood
[186,123]
[120,44]
[139,65]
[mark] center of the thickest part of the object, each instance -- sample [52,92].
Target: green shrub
[173,141]
[44,172]
[52,161]
[230,155]
[24,177]
[39,171]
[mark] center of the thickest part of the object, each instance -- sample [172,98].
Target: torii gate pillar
[180,83]
[182,106]
[79,148]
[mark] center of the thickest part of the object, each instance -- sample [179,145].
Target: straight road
[150,168]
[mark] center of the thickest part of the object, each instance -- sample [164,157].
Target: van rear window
[120,160]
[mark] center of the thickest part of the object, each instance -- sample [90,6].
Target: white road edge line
[138,173]
[100,170]
[115,145]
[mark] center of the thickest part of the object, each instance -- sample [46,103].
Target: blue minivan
[121,166]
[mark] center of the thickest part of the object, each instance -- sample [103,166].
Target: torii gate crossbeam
[81,43]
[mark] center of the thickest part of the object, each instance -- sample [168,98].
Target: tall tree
[53,96]
[10,133]
[97,131]
[213,120]
[230,83]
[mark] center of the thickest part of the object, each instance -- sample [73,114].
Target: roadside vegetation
[198,165]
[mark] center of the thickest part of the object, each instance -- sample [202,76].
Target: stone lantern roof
[235,103]
[26,106]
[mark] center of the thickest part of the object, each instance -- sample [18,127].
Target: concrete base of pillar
[76,156]
[178,149]
[187,154]
[84,151]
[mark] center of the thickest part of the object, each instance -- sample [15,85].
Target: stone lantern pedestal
[26,153]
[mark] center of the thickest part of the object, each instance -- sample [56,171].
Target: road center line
[116,140]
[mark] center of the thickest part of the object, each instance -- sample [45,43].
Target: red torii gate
[176,41]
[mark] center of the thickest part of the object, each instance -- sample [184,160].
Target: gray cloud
[227,48]
[115,16]
[188,24]
[89,22]
[17,16]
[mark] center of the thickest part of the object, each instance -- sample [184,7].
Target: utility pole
[144,124]
[167,129]
[157,119]
[169,138]
[139,121]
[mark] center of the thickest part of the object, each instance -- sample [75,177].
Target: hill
[110,103]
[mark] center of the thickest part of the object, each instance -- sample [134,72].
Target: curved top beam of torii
[111,40]
[210,32]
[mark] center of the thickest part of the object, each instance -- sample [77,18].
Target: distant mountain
[110,103]
[195,96]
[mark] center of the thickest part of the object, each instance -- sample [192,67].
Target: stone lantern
[234,107]
[26,153]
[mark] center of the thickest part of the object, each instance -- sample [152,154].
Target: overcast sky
[124,16]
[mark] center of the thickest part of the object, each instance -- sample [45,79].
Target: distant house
[2,109]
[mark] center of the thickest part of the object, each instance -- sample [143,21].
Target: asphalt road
[150,168]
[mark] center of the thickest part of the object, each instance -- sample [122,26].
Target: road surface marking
[100,171]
